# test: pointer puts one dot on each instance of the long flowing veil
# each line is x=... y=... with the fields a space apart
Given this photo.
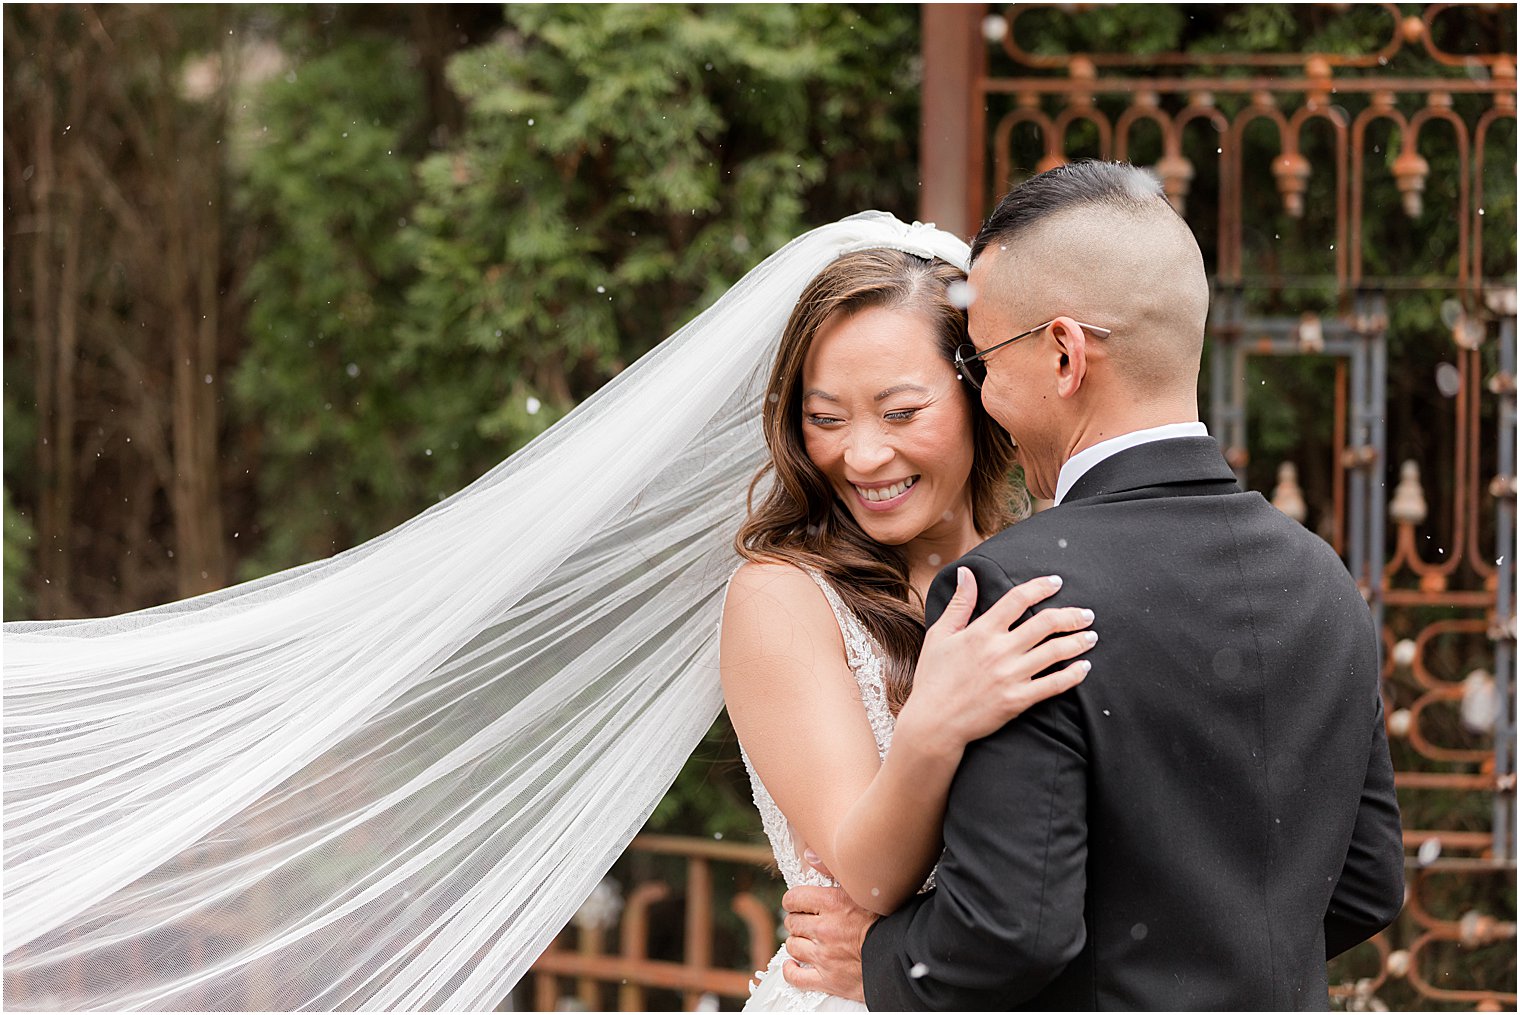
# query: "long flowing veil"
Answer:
x=386 y=779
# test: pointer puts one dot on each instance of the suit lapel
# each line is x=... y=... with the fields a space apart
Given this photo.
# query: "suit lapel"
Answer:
x=1193 y=462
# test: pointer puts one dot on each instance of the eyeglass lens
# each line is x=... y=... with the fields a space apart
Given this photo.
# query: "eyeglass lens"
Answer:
x=974 y=370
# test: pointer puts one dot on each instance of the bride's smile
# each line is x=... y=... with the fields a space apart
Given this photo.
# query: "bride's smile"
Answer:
x=884 y=496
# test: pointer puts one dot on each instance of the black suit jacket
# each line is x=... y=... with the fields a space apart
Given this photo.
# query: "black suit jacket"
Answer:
x=1210 y=814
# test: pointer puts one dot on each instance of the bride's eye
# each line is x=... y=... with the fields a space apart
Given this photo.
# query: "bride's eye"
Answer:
x=901 y=415
x=821 y=420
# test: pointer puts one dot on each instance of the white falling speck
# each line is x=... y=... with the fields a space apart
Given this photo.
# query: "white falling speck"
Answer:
x=934 y=559
x=353 y=369
x=1448 y=380
x=1430 y=849
x=919 y=971
x=601 y=289
x=1061 y=543
x=961 y=294
x=1480 y=702
x=533 y=406
x=1107 y=712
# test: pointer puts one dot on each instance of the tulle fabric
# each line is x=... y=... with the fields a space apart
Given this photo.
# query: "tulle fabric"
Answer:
x=386 y=779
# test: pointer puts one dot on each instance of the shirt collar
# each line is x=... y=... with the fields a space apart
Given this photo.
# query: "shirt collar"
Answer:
x=1077 y=465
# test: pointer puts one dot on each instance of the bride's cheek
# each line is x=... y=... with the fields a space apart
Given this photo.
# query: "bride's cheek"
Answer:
x=821 y=449
x=942 y=441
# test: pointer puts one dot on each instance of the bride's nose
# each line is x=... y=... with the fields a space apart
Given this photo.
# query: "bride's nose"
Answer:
x=867 y=450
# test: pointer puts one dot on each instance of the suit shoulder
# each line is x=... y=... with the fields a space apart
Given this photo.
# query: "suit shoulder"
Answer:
x=1030 y=542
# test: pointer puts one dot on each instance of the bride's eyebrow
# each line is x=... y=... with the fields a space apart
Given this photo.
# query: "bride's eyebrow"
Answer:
x=898 y=388
x=889 y=392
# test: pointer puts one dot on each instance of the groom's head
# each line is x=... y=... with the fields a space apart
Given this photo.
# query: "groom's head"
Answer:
x=1088 y=243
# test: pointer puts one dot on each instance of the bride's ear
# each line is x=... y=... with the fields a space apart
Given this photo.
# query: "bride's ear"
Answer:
x=1071 y=345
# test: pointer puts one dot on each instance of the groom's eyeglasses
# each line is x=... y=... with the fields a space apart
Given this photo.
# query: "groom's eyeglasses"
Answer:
x=969 y=362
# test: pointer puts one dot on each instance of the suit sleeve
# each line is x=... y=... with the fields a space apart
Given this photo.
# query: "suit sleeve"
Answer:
x=1370 y=891
x=1006 y=915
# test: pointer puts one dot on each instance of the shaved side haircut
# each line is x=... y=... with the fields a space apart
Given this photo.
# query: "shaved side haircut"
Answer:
x=1084 y=183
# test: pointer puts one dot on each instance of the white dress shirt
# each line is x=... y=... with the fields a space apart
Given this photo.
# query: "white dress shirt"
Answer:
x=1077 y=465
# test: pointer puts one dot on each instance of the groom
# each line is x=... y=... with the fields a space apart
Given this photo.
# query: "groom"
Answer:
x=1211 y=814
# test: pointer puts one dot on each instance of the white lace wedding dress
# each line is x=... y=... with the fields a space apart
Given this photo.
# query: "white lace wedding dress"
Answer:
x=773 y=992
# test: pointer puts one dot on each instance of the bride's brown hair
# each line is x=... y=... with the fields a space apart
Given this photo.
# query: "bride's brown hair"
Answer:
x=800 y=520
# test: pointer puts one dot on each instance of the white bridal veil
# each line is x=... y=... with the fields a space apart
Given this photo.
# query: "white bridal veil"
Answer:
x=386 y=779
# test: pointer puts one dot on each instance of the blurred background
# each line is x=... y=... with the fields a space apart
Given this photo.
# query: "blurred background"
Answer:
x=279 y=277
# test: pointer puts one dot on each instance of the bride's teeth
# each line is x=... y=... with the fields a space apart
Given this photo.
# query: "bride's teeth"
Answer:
x=887 y=493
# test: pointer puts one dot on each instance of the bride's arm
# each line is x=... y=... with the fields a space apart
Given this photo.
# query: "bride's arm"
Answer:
x=796 y=707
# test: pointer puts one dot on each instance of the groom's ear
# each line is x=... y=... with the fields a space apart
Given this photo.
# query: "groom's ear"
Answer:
x=1071 y=343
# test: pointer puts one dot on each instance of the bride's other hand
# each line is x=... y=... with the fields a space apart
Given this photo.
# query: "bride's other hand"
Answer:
x=973 y=676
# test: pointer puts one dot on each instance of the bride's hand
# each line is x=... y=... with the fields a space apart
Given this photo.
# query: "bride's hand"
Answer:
x=973 y=678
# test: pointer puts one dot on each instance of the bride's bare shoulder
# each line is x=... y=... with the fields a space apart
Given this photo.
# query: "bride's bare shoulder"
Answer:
x=779 y=607
x=762 y=587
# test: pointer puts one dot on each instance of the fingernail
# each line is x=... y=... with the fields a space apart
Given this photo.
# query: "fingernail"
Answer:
x=1087 y=615
x=1054 y=580
x=1083 y=666
x=962 y=575
x=809 y=856
x=1090 y=636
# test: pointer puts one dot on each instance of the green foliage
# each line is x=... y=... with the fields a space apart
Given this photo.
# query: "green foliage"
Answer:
x=1128 y=28
x=619 y=168
x=20 y=435
x=327 y=182
x=18 y=558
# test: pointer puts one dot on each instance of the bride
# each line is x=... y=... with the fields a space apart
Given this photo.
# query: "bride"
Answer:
x=885 y=468
x=386 y=779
